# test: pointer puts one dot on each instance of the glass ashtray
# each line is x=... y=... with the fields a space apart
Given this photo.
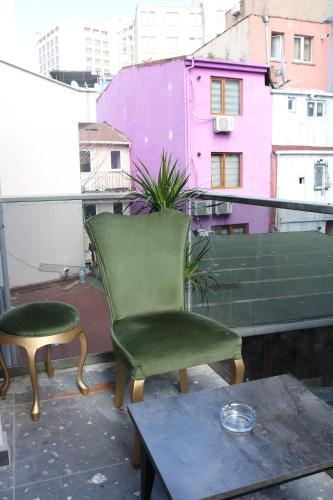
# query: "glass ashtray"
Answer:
x=238 y=417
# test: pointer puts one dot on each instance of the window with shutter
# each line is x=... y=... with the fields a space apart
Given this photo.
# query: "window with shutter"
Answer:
x=85 y=164
x=226 y=170
x=226 y=96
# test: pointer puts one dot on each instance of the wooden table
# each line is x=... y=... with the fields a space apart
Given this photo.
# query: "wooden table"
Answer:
x=183 y=441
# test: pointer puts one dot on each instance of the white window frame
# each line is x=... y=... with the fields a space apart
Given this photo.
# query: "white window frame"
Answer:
x=120 y=162
x=172 y=18
x=302 y=38
x=147 y=17
x=280 y=37
x=315 y=112
x=172 y=49
x=325 y=179
x=291 y=99
x=85 y=150
x=148 y=44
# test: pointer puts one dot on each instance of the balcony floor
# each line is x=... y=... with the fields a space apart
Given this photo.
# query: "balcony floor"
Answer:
x=81 y=447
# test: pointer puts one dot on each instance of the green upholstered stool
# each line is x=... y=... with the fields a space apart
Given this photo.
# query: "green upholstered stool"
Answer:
x=142 y=262
x=41 y=324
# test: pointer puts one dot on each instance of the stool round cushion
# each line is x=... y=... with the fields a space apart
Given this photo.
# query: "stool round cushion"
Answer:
x=39 y=319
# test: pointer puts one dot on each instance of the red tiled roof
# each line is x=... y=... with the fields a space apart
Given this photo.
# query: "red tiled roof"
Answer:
x=100 y=132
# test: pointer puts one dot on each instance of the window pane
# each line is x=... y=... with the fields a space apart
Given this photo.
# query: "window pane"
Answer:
x=291 y=103
x=118 y=208
x=216 y=170
x=216 y=96
x=115 y=160
x=232 y=97
x=297 y=48
x=307 y=49
x=318 y=176
x=311 y=107
x=276 y=47
x=232 y=174
x=85 y=161
x=238 y=230
x=320 y=109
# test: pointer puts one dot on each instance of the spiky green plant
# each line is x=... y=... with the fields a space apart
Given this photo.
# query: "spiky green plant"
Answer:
x=199 y=280
x=166 y=191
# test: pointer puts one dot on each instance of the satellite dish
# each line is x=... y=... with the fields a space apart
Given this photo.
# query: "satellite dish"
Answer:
x=74 y=84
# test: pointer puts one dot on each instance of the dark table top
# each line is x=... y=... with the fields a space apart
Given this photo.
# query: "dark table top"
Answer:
x=196 y=458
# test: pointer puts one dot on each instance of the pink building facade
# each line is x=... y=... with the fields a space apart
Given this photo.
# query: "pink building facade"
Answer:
x=297 y=51
x=174 y=105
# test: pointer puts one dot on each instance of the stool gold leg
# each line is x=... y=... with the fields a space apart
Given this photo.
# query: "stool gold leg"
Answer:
x=120 y=385
x=238 y=374
x=5 y=385
x=84 y=347
x=35 y=410
x=48 y=364
x=183 y=384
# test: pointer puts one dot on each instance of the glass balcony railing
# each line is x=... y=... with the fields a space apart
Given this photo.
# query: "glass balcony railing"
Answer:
x=266 y=272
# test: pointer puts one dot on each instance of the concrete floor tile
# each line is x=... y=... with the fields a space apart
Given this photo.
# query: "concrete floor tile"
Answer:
x=73 y=435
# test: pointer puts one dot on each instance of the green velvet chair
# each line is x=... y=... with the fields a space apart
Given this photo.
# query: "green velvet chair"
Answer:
x=142 y=260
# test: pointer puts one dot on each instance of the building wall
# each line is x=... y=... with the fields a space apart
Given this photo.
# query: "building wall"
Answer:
x=313 y=75
x=147 y=103
x=39 y=155
x=250 y=40
x=102 y=177
x=232 y=45
x=291 y=167
x=158 y=37
x=255 y=147
x=295 y=127
x=296 y=9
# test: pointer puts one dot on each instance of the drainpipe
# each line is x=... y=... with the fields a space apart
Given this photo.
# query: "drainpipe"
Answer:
x=266 y=21
x=187 y=157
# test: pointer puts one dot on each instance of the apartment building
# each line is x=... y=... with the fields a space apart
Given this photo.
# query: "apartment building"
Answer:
x=297 y=51
x=167 y=31
x=77 y=45
x=302 y=159
x=200 y=111
x=306 y=10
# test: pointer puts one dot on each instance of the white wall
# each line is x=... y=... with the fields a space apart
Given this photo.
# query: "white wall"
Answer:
x=39 y=155
x=290 y=168
x=233 y=45
x=295 y=127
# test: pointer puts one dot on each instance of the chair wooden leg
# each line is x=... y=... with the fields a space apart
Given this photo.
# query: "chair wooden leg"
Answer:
x=84 y=389
x=35 y=410
x=120 y=385
x=136 y=397
x=183 y=384
x=6 y=380
x=48 y=363
x=238 y=371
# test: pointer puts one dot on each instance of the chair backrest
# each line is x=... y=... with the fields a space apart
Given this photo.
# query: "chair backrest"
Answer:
x=141 y=259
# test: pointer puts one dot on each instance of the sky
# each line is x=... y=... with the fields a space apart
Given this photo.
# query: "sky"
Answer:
x=33 y=16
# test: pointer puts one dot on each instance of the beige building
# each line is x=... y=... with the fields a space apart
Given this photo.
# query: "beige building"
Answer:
x=104 y=162
x=307 y=10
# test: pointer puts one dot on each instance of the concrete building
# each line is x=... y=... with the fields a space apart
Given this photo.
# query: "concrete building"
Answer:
x=168 y=31
x=39 y=155
x=302 y=162
x=306 y=10
x=104 y=162
x=184 y=111
x=297 y=51
x=78 y=45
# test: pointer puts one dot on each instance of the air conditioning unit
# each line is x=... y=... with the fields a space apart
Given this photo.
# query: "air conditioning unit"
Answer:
x=222 y=208
x=236 y=9
x=223 y=124
x=202 y=207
